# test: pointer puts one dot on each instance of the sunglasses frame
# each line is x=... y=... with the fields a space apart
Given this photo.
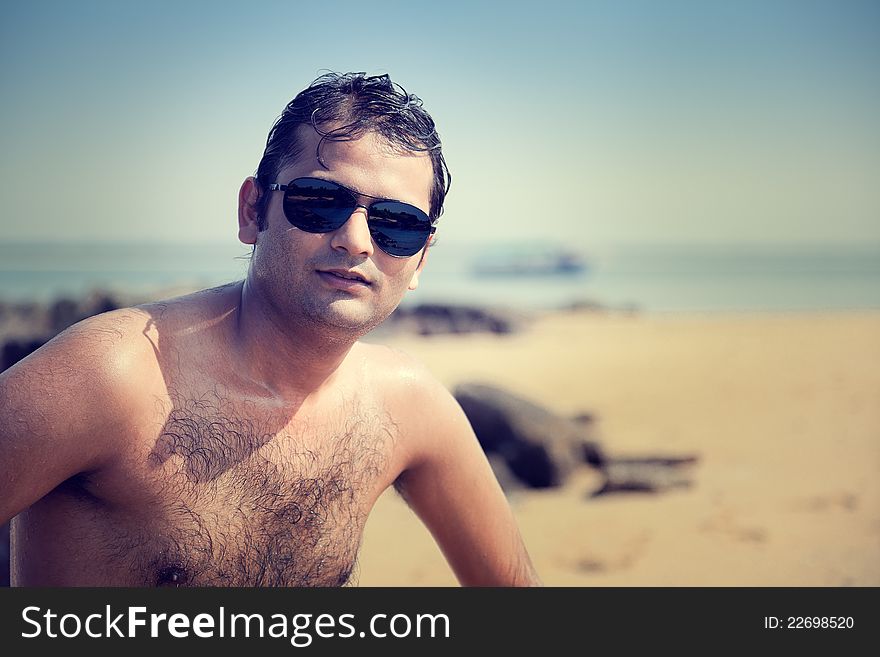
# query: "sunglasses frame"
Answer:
x=355 y=205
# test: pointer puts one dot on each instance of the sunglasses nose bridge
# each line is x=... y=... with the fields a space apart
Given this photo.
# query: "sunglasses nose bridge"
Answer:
x=354 y=235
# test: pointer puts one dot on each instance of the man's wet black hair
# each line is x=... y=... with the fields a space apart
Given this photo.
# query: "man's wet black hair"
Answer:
x=360 y=104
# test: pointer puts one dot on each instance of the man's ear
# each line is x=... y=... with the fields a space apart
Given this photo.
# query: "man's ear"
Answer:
x=248 y=198
x=414 y=281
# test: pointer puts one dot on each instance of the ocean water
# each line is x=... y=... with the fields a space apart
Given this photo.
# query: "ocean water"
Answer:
x=668 y=278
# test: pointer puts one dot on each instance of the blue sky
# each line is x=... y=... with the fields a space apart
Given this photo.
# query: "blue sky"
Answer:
x=584 y=122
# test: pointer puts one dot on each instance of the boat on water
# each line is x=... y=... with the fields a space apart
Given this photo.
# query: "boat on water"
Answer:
x=545 y=263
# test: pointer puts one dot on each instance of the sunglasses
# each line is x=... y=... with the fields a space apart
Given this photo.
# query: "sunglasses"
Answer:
x=316 y=205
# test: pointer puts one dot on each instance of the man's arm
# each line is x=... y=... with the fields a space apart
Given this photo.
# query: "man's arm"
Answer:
x=59 y=412
x=451 y=487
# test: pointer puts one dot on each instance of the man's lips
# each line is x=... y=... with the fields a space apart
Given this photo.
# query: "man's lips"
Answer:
x=345 y=275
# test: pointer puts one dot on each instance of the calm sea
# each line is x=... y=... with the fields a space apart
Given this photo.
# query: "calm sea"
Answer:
x=653 y=278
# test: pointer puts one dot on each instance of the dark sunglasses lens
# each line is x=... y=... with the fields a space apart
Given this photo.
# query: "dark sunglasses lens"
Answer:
x=317 y=206
x=398 y=228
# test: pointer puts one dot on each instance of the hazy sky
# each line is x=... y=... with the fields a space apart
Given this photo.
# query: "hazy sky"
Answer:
x=582 y=122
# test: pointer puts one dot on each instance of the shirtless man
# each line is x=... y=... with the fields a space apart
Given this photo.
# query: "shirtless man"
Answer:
x=240 y=436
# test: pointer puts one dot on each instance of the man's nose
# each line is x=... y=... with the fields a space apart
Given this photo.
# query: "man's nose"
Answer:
x=354 y=235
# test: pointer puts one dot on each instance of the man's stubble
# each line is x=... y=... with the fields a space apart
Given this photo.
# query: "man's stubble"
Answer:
x=295 y=294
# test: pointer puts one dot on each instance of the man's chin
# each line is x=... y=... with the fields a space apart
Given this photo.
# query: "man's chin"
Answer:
x=349 y=315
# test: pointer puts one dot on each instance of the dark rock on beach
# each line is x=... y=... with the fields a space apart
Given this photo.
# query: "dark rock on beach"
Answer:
x=591 y=452
x=440 y=319
x=540 y=447
x=646 y=475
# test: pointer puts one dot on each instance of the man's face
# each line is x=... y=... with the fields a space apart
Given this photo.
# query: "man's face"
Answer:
x=290 y=266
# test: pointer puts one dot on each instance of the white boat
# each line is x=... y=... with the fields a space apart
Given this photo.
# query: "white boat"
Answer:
x=549 y=263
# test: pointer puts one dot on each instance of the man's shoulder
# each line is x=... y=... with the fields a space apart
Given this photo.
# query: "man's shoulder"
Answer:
x=96 y=360
x=392 y=365
x=71 y=401
x=128 y=340
x=116 y=339
x=403 y=380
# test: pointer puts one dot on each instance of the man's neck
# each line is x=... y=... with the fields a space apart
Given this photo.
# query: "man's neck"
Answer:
x=293 y=360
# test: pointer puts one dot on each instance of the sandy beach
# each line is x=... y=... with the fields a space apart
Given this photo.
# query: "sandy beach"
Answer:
x=782 y=411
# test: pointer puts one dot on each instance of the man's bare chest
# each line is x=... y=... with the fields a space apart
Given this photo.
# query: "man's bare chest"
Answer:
x=235 y=497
